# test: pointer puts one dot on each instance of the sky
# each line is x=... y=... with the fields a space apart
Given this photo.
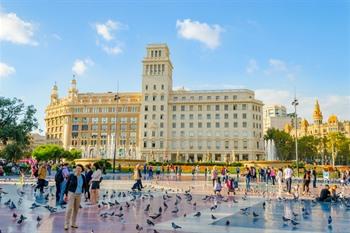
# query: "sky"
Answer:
x=276 y=48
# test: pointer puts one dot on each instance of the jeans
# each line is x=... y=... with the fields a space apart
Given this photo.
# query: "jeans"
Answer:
x=41 y=184
x=58 y=191
x=63 y=187
x=273 y=180
x=289 y=184
x=314 y=183
x=247 y=183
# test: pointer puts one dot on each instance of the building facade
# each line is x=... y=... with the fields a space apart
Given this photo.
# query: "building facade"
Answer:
x=319 y=128
x=275 y=116
x=159 y=123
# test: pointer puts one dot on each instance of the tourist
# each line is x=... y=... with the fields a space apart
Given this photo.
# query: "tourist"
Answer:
x=76 y=185
x=2 y=172
x=248 y=176
x=88 y=176
x=145 y=170
x=288 y=173
x=279 y=182
x=230 y=186
x=214 y=175
x=205 y=173
x=41 y=178
x=58 y=181
x=253 y=172
x=95 y=183
x=150 y=172
x=193 y=171
x=325 y=194
x=314 y=177
x=237 y=172
x=268 y=175
x=137 y=178
x=197 y=170
x=325 y=176
x=273 y=175
x=158 y=172
x=120 y=167
x=49 y=169
x=217 y=186
x=180 y=170
x=65 y=174
x=306 y=181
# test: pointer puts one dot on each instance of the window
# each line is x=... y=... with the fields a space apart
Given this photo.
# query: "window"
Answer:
x=234 y=97
x=85 y=127
x=226 y=124
x=161 y=144
x=226 y=107
x=235 y=124
x=217 y=124
x=208 y=125
x=244 y=107
x=161 y=133
x=191 y=107
x=154 y=108
x=235 y=116
x=208 y=97
x=200 y=117
x=162 y=97
x=217 y=116
x=217 y=144
x=154 y=87
x=208 y=108
x=174 y=116
x=104 y=120
x=174 y=125
x=161 y=107
x=94 y=127
x=226 y=97
x=146 y=108
x=245 y=144
x=191 y=116
x=182 y=117
x=162 y=86
x=244 y=124
x=161 y=125
x=182 y=133
x=235 y=107
x=104 y=127
x=200 y=124
x=182 y=108
x=199 y=107
x=235 y=144
x=217 y=107
x=154 y=98
x=208 y=116
x=226 y=116
x=217 y=97
x=146 y=97
x=191 y=124
x=85 y=120
x=144 y=144
x=174 y=108
x=145 y=125
x=75 y=127
x=200 y=97
x=182 y=125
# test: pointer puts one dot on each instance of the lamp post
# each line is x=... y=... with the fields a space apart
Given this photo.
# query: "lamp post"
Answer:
x=295 y=103
x=116 y=98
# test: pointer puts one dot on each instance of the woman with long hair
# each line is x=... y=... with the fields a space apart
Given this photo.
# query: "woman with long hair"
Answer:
x=95 y=184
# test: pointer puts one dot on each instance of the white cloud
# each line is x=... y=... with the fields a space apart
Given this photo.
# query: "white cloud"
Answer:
x=252 y=66
x=209 y=35
x=330 y=104
x=107 y=31
x=6 y=70
x=112 y=50
x=80 y=66
x=15 y=30
x=277 y=67
x=56 y=36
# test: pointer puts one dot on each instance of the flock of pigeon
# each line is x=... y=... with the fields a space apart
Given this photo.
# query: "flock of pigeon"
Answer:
x=113 y=205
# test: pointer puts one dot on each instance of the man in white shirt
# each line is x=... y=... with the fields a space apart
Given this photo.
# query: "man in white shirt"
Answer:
x=288 y=173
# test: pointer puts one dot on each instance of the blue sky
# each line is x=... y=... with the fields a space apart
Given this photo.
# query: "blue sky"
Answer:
x=267 y=46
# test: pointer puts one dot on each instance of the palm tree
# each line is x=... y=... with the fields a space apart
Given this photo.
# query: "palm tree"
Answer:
x=335 y=140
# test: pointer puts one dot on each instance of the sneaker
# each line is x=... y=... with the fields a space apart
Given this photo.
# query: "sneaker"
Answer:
x=74 y=226
x=65 y=227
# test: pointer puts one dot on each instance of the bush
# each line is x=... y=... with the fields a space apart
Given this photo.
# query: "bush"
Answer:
x=104 y=163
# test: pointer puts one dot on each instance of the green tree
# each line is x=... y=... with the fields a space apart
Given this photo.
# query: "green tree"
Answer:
x=334 y=144
x=16 y=123
x=307 y=148
x=284 y=143
x=73 y=154
x=48 y=152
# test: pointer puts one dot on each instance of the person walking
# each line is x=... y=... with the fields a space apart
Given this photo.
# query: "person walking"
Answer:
x=248 y=176
x=95 y=183
x=58 y=181
x=279 y=182
x=65 y=174
x=288 y=173
x=76 y=185
x=214 y=175
x=273 y=175
x=238 y=170
x=41 y=178
x=306 y=181
x=137 y=178
x=88 y=176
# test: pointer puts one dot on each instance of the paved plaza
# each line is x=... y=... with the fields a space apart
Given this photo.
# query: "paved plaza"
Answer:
x=181 y=202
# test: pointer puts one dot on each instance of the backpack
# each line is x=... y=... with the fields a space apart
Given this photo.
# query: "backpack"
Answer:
x=59 y=176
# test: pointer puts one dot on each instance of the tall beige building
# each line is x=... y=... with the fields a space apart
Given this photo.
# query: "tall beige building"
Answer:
x=275 y=116
x=159 y=123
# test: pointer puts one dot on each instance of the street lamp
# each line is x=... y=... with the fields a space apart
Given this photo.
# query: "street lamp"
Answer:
x=116 y=98
x=295 y=103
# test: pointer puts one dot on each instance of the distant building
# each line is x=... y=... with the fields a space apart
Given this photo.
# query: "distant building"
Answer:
x=37 y=140
x=320 y=128
x=275 y=116
x=159 y=123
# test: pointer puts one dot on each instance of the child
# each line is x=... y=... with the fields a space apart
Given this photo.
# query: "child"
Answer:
x=217 y=186
x=230 y=186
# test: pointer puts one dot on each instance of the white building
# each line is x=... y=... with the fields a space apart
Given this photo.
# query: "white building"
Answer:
x=275 y=116
x=217 y=125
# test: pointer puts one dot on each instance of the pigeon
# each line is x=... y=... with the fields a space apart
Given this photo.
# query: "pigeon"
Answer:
x=14 y=215
x=330 y=220
x=138 y=227
x=38 y=219
x=213 y=217
x=255 y=214
x=21 y=219
x=295 y=214
x=119 y=215
x=174 y=226
x=198 y=214
x=155 y=216
x=285 y=219
x=294 y=222
x=149 y=222
x=121 y=208
x=175 y=210
x=264 y=205
x=154 y=231
x=165 y=205
x=213 y=207
x=227 y=223
x=160 y=210
x=147 y=208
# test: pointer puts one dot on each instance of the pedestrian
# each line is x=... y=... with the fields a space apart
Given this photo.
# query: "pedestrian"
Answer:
x=65 y=174
x=273 y=175
x=214 y=175
x=88 y=176
x=193 y=170
x=58 y=181
x=217 y=186
x=230 y=186
x=96 y=179
x=279 y=182
x=314 y=177
x=247 y=179
x=137 y=178
x=41 y=178
x=76 y=185
x=237 y=172
x=288 y=173
x=306 y=181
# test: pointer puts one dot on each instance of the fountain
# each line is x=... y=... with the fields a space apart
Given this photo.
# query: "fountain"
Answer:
x=270 y=150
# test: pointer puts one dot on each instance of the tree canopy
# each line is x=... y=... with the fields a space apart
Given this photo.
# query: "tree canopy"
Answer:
x=55 y=152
